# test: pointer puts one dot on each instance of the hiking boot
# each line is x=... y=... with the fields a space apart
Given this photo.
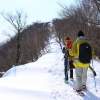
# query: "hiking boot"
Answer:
x=79 y=92
x=66 y=81
x=71 y=79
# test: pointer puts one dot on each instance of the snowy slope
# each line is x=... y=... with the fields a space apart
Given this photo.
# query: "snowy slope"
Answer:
x=44 y=80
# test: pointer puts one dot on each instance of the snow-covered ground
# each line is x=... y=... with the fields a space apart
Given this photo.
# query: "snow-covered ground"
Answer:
x=44 y=80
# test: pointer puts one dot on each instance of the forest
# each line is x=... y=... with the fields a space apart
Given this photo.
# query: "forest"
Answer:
x=30 y=40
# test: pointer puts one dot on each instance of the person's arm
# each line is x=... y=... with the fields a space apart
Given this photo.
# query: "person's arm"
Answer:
x=63 y=50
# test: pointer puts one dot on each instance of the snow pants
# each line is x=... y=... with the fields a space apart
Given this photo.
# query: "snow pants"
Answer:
x=81 y=77
x=67 y=67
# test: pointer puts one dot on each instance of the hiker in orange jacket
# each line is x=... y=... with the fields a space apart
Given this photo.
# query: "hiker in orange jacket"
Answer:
x=68 y=63
x=68 y=42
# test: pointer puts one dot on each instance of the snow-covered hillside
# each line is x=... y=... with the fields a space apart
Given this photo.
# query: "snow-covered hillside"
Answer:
x=44 y=80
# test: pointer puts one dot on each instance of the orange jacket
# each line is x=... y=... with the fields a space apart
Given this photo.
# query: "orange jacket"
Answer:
x=68 y=44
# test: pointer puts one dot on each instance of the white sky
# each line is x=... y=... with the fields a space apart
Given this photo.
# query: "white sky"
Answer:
x=36 y=10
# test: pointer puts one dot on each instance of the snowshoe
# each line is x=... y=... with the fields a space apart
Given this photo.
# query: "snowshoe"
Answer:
x=66 y=81
x=81 y=93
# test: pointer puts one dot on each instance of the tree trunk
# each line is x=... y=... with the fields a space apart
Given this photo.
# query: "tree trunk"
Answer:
x=18 y=52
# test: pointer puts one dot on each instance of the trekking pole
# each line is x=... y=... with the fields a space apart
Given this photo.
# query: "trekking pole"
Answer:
x=95 y=84
x=94 y=78
x=94 y=73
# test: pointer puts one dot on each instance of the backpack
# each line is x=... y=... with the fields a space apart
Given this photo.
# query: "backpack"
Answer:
x=85 y=52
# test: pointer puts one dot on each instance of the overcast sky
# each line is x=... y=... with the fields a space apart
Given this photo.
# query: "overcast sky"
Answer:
x=36 y=10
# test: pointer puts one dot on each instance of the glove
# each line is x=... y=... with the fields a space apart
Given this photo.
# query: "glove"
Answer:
x=63 y=50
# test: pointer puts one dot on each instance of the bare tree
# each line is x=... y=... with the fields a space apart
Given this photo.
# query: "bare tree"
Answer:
x=97 y=2
x=18 y=21
x=85 y=16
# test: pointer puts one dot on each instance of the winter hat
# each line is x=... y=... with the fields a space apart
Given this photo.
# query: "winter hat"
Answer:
x=80 y=33
x=67 y=38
